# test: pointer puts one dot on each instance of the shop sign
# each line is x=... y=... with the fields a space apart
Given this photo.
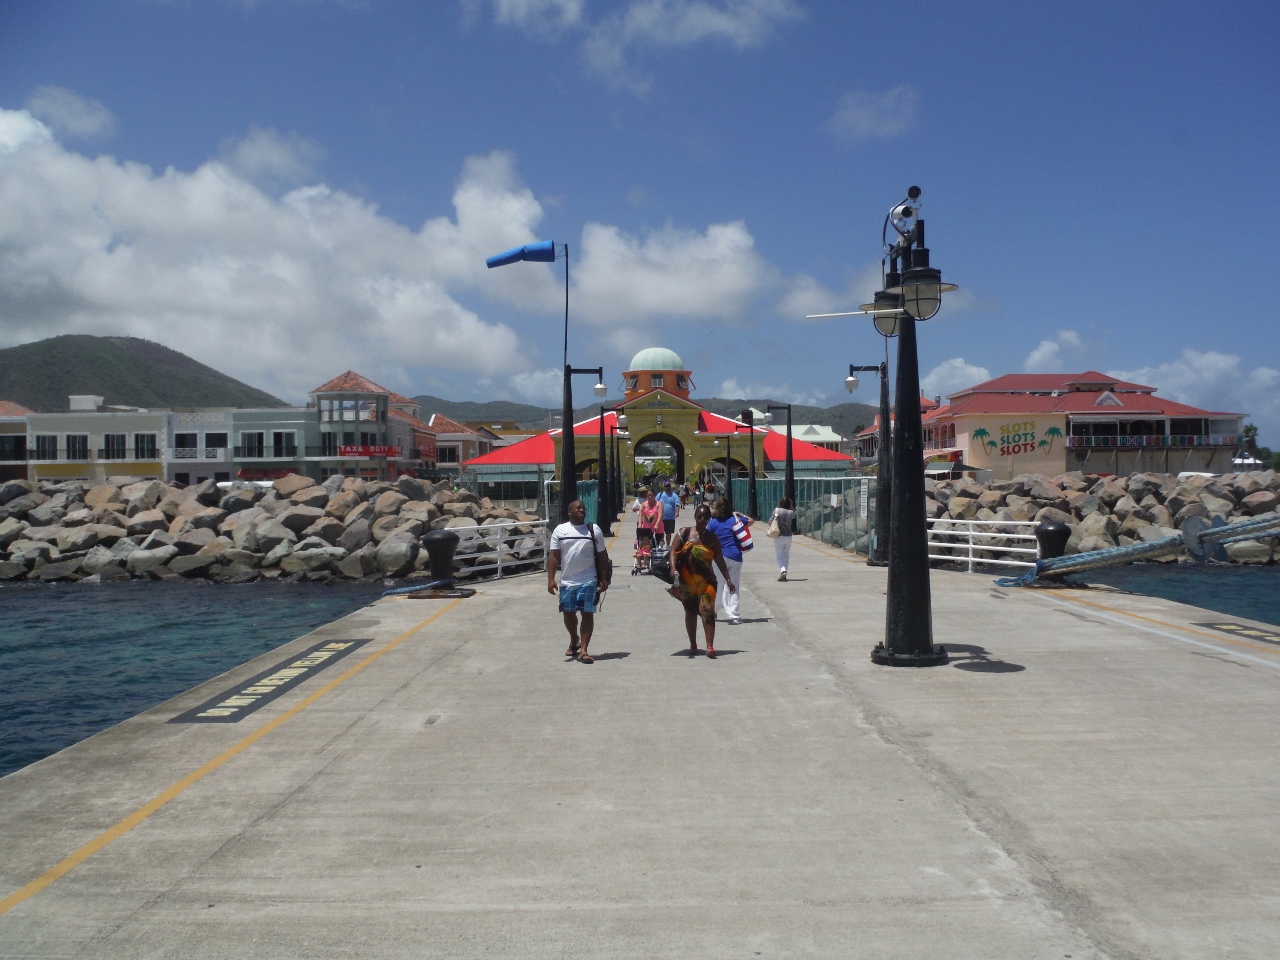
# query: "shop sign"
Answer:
x=1017 y=437
x=373 y=452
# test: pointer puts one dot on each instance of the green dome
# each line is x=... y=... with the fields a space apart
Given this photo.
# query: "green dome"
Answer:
x=656 y=358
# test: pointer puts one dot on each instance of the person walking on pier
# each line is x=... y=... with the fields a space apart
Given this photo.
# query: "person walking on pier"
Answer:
x=696 y=559
x=722 y=525
x=670 y=501
x=579 y=554
x=784 y=522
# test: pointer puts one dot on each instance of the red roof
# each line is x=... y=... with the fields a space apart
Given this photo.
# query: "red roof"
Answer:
x=411 y=420
x=775 y=448
x=350 y=382
x=10 y=409
x=1077 y=403
x=1049 y=382
x=540 y=449
x=401 y=399
x=442 y=424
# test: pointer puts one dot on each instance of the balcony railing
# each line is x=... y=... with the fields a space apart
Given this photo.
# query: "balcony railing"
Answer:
x=266 y=453
x=1157 y=440
x=199 y=453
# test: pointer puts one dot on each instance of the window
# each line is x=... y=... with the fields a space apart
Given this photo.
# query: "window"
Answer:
x=655 y=380
x=283 y=444
x=446 y=454
x=682 y=382
x=113 y=446
x=222 y=477
x=47 y=446
x=77 y=446
x=633 y=383
x=144 y=446
x=185 y=440
x=13 y=448
x=368 y=439
x=182 y=478
x=216 y=440
x=328 y=445
x=252 y=444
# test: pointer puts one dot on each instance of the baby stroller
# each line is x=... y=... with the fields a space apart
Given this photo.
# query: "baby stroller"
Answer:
x=643 y=548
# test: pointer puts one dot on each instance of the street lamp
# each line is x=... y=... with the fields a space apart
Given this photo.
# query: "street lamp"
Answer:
x=544 y=251
x=753 y=501
x=604 y=495
x=908 y=639
x=789 y=484
x=728 y=461
x=877 y=556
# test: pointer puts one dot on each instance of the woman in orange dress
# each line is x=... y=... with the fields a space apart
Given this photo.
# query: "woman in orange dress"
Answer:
x=693 y=554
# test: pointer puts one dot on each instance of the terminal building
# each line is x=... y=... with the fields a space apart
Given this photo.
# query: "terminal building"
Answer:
x=662 y=420
x=1052 y=423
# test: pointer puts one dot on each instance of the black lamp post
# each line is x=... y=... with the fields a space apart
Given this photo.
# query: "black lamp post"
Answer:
x=878 y=555
x=789 y=484
x=908 y=637
x=728 y=461
x=753 y=501
x=604 y=497
x=619 y=495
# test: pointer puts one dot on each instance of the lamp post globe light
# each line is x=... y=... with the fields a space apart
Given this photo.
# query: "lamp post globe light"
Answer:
x=544 y=251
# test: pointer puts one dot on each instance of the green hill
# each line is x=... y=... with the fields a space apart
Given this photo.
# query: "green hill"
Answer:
x=124 y=370
x=845 y=418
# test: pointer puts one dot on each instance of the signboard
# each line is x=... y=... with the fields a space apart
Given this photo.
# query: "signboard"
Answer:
x=373 y=452
x=866 y=499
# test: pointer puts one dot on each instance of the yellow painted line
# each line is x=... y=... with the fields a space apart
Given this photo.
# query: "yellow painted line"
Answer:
x=151 y=806
x=827 y=553
x=1202 y=633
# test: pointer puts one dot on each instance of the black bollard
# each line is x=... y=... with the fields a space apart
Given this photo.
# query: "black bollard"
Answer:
x=440 y=546
x=1052 y=535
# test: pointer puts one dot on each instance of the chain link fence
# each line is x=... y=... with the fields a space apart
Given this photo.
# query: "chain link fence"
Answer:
x=837 y=510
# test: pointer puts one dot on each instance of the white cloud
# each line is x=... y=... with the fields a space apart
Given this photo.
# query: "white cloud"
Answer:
x=951 y=376
x=1048 y=357
x=625 y=280
x=805 y=295
x=868 y=115
x=71 y=114
x=545 y=387
x=1219 y=382
x=732 y=390
x=282 y=293
x=269 y=159
x=609 y=45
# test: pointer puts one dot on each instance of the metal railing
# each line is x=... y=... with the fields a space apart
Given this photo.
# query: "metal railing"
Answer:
x=198 y=453
x=1161 y=440
x=836 y=510
x=266 y=453
x=982 y=542
x=499 y=554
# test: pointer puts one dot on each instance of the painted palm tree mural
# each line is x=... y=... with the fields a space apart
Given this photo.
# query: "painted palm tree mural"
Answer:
x=982 y=435
x=1052 y=433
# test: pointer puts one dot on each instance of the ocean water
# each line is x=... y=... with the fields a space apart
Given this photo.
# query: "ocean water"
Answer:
x=1250 y=592
x=78 y=658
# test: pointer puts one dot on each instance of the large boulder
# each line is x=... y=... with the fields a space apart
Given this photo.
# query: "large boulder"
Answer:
x=29 y=551
x=142 y=562
x=195 y=565
x=356 y=536
x=156 y=538
x=193 y=541
x=61 y=570
x=961 y=508
x=1250 y=551
x=990 y=499
x=216 y=547
x=363 y=512
x=342 y=503
x=78 y=518
x=271 y=533
x=98 y=559
x=1261 y=501
x=1109 y=492
x=143 y=496
x=1160 y=515
x=327 y=529
x=209 y=518
x=241 y=499
x=47 y=514
x=333 y=485
x=1100 y=525
x=396 y=559
x=11 y=490
x=309 y=561
x=383 y=527
x=462 y=509
x=1193 y=509
x=389 y=503
x=312 y=496
x=357 y=566
x=145 y=521
x=1217 y=506
x=356 y=486
x=298 y=519
x=252 y=515
x=421 y=510
x=21 y=506
x=245 y=536
x=205 y=493
x=1045 y=514
x=11 y=530
x=412 y=488
x=1142 y=485
x=277 y=554
x=247 y=558
x=104 y=495
x=179 y=525
x=77 y=539
x=273 y=505
x=291 y=483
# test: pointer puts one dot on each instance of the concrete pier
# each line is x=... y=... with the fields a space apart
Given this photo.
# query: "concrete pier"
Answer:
x=1093 y=774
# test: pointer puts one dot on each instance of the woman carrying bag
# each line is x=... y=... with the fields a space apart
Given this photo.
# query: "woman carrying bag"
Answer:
x=782 y=526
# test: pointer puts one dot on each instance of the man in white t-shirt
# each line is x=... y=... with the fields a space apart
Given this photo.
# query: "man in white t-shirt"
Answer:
x=578 y=552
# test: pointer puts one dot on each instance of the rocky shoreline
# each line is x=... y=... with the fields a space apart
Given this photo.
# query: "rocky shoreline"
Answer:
x=1105 y=512
x=342 y=529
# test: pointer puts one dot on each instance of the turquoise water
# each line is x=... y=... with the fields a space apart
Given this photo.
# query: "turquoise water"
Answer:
x=1250 y=592
x=78 y=658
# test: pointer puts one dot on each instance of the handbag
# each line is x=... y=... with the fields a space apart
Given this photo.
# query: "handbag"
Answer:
x=774 y=530
x=743 y=534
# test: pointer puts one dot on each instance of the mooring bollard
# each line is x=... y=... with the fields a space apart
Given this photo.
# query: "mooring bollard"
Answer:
x=1052 y=535
x=440 y=546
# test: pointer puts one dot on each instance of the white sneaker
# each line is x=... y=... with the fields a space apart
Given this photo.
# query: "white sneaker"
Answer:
x=736 y=620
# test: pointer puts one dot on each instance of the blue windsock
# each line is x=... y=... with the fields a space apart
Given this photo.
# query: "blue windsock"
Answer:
x=544 y=251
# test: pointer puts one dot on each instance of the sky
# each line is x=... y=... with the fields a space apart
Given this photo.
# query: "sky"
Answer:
x=285 y=189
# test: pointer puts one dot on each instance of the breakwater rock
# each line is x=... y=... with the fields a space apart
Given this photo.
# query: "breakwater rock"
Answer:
x=344 y=528
x=1106 y=511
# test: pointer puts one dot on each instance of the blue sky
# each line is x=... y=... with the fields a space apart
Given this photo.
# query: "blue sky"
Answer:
x=284 y=189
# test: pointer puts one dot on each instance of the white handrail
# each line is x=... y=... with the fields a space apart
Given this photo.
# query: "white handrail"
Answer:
x=971 y=530
x=482 y=561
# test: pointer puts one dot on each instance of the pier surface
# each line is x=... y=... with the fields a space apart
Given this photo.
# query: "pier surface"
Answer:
x=1092 y=775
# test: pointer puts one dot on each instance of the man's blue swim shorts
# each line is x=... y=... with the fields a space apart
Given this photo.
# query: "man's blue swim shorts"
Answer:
x=579 y=599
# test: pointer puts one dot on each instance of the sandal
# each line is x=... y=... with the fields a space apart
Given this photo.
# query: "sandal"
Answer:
x=585 y=658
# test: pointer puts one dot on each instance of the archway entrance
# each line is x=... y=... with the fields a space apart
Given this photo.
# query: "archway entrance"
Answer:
x=660 y=447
